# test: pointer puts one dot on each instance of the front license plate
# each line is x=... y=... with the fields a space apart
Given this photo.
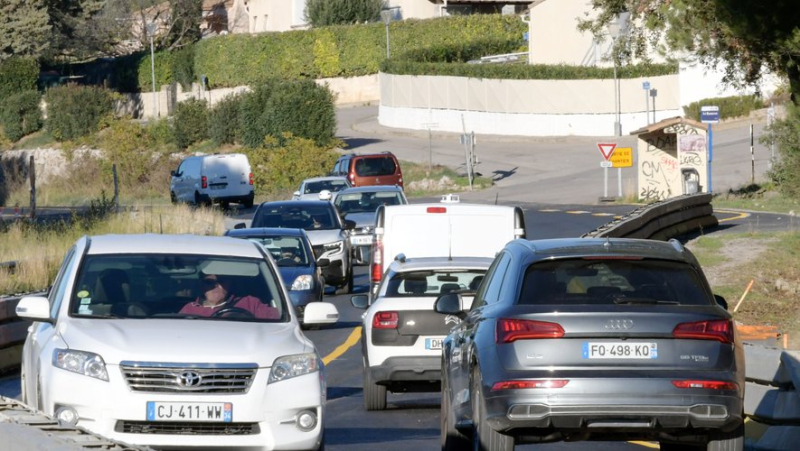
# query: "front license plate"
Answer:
x=361 y=240
x=221 y=412
x=594 y=350
x=433 y=343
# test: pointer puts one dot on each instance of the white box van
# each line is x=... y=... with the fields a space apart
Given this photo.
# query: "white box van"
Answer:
x=218 y=178
x=446 y=229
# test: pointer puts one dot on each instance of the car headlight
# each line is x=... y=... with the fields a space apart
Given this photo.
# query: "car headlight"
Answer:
x=335 y=247
x=81 y=362
x=303 y=282
x=290 y=366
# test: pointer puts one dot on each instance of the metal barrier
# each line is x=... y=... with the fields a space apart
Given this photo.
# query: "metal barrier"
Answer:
x=662 y=220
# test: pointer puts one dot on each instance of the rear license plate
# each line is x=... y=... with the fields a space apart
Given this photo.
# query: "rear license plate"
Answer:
x=433 y=343
x=594 y=350
x=220 y=186
x=361 y=240
x=221 y=412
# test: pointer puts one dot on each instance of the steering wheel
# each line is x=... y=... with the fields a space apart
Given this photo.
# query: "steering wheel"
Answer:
x=235 y=311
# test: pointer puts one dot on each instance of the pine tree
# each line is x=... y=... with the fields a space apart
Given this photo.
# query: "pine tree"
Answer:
x=24 y=28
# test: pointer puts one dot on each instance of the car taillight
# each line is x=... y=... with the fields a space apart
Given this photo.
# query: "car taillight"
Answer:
x=509 y=330
x=710 y=385
x=377 y=260
x=519 y=385
x=352 y=177
x=204 y=181
x=720 y=330
x=250 y=179
x=385 y=320
x=437 y=210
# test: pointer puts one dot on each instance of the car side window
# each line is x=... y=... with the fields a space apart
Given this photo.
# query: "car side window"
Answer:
x=489 y=291
x=59 y=287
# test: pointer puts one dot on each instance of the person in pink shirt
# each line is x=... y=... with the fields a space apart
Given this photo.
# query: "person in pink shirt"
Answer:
x=217 y=300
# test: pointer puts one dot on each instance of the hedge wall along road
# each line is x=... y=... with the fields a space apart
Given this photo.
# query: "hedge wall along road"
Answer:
x=340 y=51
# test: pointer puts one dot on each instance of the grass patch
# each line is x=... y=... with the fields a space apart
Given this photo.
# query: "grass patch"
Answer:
x=38 y=139
x=421 y=182
x=707 y=249
x=756 y=197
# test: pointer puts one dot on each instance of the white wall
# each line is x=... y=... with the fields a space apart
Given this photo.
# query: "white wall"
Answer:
x=416 y=9
x=553 y=35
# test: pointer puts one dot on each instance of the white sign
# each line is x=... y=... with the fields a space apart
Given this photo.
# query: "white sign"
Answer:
x=606 y=164
x=606 y=149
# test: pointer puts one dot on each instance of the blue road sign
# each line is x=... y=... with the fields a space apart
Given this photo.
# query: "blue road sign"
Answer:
x=646 y=86
x=709 y=114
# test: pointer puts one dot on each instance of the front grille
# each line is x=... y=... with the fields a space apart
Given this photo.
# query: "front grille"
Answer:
x=318 y=250
x=186 y=428
x=188 y=378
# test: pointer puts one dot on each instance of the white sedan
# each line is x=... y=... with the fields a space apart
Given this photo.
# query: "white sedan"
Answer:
x=175 y=341
x=312 y=189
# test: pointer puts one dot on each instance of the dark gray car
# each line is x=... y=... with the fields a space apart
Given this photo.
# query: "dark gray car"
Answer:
x=592 y=339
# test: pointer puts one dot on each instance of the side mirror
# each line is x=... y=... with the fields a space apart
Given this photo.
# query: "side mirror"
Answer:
x=349 y=225
x=360 y=301
x=36 y=308
x=240 y=225
x=449 y=304
x=296 y=194
x=320 y=313
x=721 y=301
x=323 y=262
x=173 y=173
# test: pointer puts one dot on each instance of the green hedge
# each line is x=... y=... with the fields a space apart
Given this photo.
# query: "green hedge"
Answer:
x=21 y=114
x=74 y=111
x=223 y=120
x=18 y=75
x=191 y=122
x=729 y=107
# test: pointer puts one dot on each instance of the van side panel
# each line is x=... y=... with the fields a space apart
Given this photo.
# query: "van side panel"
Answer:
x=480 y=235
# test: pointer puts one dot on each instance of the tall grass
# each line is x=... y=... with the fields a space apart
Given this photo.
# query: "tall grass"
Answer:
x=39 y=250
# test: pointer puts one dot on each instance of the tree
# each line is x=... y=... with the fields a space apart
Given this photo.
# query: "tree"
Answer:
x=745 y=37
x=178 y=22
x=24 y=28
x=321 y=13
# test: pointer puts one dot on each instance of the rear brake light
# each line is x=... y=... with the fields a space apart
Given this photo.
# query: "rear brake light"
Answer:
x=377 y=260
x=720 y=330
x=385 y=320
x=437 y=209
x=352 y=177
x=509 y=330
x=710 y=385
x=519 y=385
x=204 y=181
x=251 y=178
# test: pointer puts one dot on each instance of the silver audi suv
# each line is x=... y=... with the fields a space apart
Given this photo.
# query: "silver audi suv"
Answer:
x=592 y=339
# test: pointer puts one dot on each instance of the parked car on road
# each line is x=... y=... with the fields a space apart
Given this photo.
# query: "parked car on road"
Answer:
x=369 y=169
x=218 y=178
x=328 y=233
x=291 y=250
x=175 y=341
x=311 y=188
x=592 y=339
x=359 y=204
x=402 y=335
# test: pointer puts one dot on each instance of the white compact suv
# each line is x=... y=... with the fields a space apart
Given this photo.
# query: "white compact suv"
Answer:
x=218 y=178
x=175 y=341
x=402 y=335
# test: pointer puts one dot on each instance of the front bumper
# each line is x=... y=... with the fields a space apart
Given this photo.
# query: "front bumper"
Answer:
x=263 y=418
x=301 y=298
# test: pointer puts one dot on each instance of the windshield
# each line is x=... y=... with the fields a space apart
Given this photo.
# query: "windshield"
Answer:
x=366 y=202
x=177 y=286
x=286 y=250
x=313 y=217
x=330 y=185
x=610 y=281
x=432 y=283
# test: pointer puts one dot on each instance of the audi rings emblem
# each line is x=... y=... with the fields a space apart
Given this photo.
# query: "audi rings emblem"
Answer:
x=619 y=324
x=189 y=379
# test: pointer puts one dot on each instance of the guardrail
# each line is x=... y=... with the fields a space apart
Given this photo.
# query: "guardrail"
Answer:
x=662 y=220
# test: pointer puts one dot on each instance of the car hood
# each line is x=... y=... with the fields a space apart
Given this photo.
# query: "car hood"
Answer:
x=318 y=237
x=184 y=340
x=362 y=219
x=289 y=273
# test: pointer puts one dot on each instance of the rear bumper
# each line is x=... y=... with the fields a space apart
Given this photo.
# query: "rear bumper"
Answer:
x=407 y=369
x=209 y=197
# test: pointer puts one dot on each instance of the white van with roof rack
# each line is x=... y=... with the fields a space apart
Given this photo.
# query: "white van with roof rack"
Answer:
x=217 y=178
x=445 y=229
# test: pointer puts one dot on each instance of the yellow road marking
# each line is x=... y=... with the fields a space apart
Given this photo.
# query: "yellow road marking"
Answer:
x=349 y=343
x=741 y=215
x=549 y=210
x=577 y=212
x=602 y=214
x=646 y=444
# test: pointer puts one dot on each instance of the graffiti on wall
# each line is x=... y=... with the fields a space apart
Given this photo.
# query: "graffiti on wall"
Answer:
x=691 y=150
x=658 y=167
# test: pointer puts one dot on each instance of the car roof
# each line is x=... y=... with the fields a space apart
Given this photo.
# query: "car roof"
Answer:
x=326 y=178
x=151 y=243
x=425 y=263
x=295 y=204
x=598 y=247
x=265 y=231
x=370 y=189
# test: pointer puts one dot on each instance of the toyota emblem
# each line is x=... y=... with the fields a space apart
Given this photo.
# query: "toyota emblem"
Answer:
x=619 y=324
x=189 y=379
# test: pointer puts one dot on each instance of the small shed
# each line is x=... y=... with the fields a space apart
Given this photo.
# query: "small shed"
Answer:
x=672 y=157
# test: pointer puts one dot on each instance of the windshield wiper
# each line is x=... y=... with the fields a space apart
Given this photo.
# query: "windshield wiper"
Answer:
x=622 y=300
x=103 y=316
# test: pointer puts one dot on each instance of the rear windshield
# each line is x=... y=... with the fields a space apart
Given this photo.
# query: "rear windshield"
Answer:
x=318 y=217
x=375 y=166
x=432 y=283
x=366 y=202
x=330 y=185
x=582 y=281
x=286 y=250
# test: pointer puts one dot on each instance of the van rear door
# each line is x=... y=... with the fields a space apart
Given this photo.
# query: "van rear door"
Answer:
x=227 y=175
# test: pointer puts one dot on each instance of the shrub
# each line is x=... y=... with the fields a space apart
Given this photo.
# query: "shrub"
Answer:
x=183 y=66
x=223 y=120
x=74 y=111
x=161 y=135
x=729 y=107
x=190 y=124
x=18 y=75
x=253 y=120
x=785 y=133
x=304 y=109
x=281 y=164
x=21 y=114
x=321 y=13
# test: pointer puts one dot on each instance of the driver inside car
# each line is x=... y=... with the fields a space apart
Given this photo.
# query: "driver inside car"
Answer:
x=217 y=300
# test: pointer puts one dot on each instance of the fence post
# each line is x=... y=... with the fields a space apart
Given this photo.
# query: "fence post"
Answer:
x=116 y=188
x=32 y=172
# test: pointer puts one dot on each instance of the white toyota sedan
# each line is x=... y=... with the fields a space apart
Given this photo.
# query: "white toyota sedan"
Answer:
x=175 y=341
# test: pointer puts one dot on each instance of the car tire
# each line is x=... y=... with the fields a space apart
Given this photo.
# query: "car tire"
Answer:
x=729 y=441
x=248 y=203
x=350 y=278
x=198 y=201
x=451 y=438
x=484 y=438
x=374 y=394
x=173 y=198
